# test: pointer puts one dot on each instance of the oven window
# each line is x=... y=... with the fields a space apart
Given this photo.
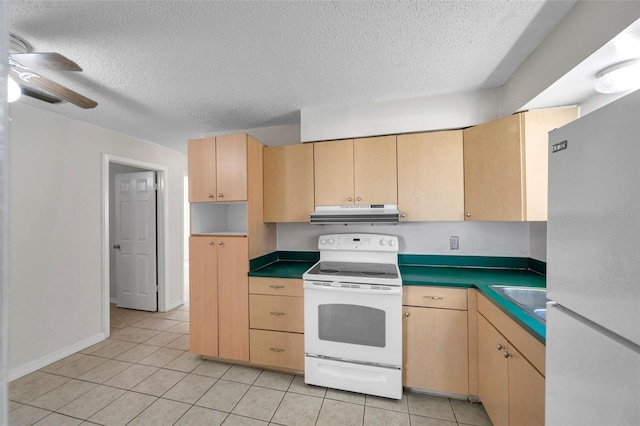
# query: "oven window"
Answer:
x=355 y=324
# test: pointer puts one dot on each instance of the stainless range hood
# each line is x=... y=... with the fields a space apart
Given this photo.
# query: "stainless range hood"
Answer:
x=362 y=214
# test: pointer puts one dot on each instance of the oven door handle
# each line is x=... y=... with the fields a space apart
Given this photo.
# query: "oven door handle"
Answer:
x=393 y=290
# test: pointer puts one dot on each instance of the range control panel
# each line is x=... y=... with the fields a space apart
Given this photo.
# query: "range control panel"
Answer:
x=358 y=242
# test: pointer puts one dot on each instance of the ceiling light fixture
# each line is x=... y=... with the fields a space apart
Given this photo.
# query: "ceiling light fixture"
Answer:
x=619 y=77
x=13 y=90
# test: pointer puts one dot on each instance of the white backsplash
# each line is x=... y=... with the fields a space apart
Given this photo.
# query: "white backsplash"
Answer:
x=476 y=238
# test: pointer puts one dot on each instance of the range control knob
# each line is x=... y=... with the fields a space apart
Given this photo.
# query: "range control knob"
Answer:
x=331 y=241
x=392 y=243
x=323 y=241
x=383 y=242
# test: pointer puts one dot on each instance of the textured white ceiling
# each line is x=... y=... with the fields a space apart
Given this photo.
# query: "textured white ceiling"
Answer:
x=166 y=71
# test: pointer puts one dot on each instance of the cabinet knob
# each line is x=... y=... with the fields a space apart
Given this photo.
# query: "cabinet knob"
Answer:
x=350 y=198
x=210 y=195
x=404 y=215
x=220 y=243
x=210 y=243
x=500 y=347
x=507 y=354
x=359 y=199
x=468 y=214
x=407 y=314
x=220 y=195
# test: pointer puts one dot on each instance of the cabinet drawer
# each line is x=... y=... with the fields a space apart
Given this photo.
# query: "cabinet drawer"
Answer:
x=281 y=313
x=279 y=286
x=435 y=297
x=277 y=349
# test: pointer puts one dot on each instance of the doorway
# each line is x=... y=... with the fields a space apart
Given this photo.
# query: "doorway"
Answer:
x=132 y=236
x=112 y=165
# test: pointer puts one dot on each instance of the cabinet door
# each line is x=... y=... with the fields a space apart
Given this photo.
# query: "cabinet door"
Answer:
x=493 y=373
x=526 y=392
x=431 y=176
x=436 y=350
x=375 y=170
x=201 y=156
x=233 y=298
x=493 y=170
x=333 y=171
x=231 y=167
x=288 y=183
x=203 y=296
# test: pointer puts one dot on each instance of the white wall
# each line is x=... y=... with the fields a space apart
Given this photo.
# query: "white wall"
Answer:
x=56 y=231
x=538 y=240
x=476 y=238
x=271 y=136
x=114 y=169
x=439 y=112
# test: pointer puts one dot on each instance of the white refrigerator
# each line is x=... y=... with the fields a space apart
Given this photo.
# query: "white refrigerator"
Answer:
x=593 y=269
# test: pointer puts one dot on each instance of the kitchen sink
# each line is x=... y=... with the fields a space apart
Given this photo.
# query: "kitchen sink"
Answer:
x=531 y=299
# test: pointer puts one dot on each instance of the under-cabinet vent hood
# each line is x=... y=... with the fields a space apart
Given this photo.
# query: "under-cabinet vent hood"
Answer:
x=364 y=214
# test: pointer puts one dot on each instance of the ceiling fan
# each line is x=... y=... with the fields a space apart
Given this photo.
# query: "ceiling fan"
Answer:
x=22 y=62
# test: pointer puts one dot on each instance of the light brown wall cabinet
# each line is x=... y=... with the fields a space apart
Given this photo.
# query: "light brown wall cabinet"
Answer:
x=510 y=387
x=288 y=183
x=505 y=166
x=431 y=176
x=219 y=262
x=218 y=320
x=358 y=171
x=217 y=168
x=436 y=354
x=277 y=322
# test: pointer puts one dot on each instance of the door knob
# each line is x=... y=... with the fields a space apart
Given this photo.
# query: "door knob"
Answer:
x=116 y=246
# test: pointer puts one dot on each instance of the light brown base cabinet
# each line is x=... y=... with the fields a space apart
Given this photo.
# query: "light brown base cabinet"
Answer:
x=276 y=313
x=219 y=297
x=511 y=388
x=436 y=354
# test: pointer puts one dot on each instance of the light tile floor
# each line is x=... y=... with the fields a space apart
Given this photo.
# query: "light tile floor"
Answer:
x=144 y=375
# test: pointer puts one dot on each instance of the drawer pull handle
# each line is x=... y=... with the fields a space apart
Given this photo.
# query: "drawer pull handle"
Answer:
x=276 y=286
x=276 y=314
x=277 y=350
x=433 y=297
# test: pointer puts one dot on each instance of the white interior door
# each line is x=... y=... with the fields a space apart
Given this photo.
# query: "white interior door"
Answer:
x=135 y=247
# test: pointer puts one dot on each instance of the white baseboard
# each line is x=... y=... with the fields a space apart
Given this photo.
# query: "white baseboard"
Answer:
x=175 y=305
x=30 y=367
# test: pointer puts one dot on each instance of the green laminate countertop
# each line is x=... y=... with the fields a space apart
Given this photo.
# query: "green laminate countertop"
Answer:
x=283 y=269
x=286 y=265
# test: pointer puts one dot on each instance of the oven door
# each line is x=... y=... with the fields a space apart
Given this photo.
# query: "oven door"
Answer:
x=360 y=323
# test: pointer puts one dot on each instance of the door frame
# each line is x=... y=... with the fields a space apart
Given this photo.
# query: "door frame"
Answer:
x=162 y=230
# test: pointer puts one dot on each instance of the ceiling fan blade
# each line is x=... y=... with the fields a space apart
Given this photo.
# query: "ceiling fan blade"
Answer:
x=60 y=91
x=37 y=94
x=45 y=61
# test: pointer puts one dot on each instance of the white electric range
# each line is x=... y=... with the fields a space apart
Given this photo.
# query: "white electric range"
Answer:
x=353 y=315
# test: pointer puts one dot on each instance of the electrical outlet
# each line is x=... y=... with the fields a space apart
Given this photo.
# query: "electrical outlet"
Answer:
x=454 y=242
